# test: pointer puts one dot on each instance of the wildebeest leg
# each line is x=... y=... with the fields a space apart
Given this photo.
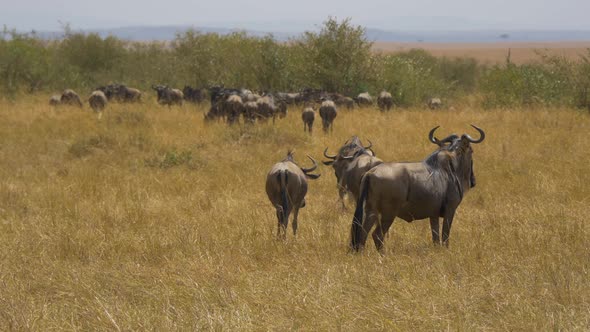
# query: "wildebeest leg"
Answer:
x=294 y=225
x=446 y=229
x=381 y=230
x=370 y=218
x=435 y=229
x=280 y=220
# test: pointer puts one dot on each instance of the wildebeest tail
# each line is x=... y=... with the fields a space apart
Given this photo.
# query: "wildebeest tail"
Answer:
x=283 y=180
x=356 y=231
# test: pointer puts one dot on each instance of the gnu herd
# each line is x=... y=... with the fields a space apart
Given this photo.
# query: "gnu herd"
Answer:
x=432 y=188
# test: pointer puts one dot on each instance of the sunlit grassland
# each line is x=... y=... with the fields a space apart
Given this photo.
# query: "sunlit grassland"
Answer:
x=150 y=219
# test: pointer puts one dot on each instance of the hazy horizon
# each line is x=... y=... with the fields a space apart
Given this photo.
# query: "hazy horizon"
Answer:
x=282 y=16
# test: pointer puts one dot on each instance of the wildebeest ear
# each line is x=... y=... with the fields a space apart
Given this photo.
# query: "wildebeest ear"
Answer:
x=313 y=176
x=328 y=163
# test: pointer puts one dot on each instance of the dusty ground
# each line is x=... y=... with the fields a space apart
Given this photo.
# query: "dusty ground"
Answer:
x=492 y=52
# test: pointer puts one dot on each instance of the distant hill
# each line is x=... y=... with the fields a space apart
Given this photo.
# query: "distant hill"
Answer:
x=164 y=33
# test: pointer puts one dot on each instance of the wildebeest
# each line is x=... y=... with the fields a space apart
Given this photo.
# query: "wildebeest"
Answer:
x=97 y=101
x=364 y=99
x=121 y=93
x=434 y=103
x=266 y=108
x=384 y=101
x=350 y=164
x=193 y=95
x=328 y=113
x=250 y=112
x=70 y=97
x=308 y=116
x=55 y=100
x=431 y=188
x=232 y=108
x=168 y=96
x=286 y=186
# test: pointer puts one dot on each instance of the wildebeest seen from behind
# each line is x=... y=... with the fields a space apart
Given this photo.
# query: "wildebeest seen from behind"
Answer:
x=434 y=103
x=250 y=112
x=168 y=96
x=432 y=188
x=384 y=101
x=70 y=97
x=350 y=164
x=308 y=116
x=286 y=187
x=328 y=113
x=266 y=108
x=97 y=101
x=364 y=99
x=233 y=107
x=55 y=100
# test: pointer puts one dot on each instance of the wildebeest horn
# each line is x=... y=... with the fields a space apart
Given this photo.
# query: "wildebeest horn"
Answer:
x=312 y=168
x=438 y=142
x=328 y=156
x=481 y=137
x=370 y=145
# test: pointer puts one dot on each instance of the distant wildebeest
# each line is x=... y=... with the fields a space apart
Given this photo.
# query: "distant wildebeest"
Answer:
x=97 y=101
x=308 y=116
x=384 y=101
x=328 y=113
x=286 y=186
x=70 y=97
x=364 y=99
x=250 y=112
x=55 y=100
x=266 y=108
x=431 y=188
x=193 y=95
x=350 y=164
x=434 y=103
x=232 y=108
x=168 y=96
x=121 y=93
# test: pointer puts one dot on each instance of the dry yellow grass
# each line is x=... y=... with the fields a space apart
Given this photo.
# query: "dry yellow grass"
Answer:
x=150 y=220
x=491 y=53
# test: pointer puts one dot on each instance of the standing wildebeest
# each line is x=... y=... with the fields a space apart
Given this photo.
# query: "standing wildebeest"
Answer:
x=121 y=93
x=168 y=96
x=350 y=164
x=193 y=95
x=434 y=103
x=328 y=113
x=308 y=116
x=232 y=108
x=250 y=112
x=69 y=97
x=431 y=188
x=364 y=99
x=97 y=101
x=55 y=100
x=286 y=186
x=266 y=108
x=384 y=101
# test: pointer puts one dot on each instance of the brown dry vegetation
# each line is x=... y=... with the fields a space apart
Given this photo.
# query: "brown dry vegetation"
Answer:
x=492 y=53
x=150 y=220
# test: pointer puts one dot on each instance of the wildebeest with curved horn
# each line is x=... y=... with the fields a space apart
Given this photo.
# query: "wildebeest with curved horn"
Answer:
x=384 y=101
x=350 y=164
x=432 y=188
x=328 y=113
x=286 y=186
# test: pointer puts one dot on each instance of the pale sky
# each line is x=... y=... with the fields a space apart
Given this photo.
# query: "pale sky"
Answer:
x=294 y=15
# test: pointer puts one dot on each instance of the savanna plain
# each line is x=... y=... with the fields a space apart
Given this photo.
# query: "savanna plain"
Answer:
x=149 y=219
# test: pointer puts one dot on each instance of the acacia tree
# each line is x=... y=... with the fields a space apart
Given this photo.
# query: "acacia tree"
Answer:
x=338 y=57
